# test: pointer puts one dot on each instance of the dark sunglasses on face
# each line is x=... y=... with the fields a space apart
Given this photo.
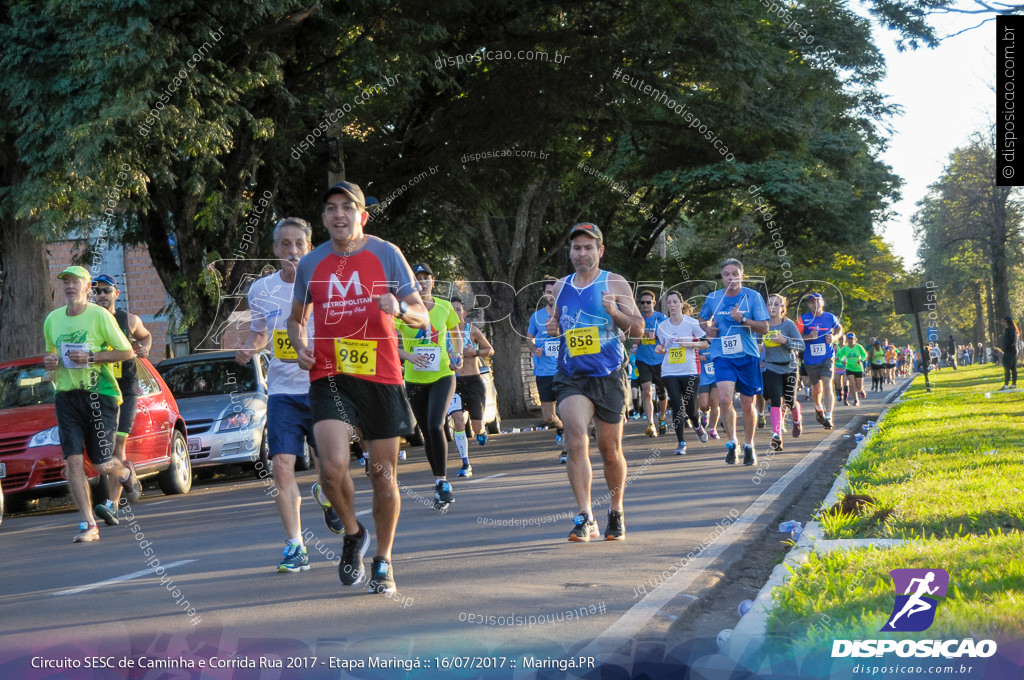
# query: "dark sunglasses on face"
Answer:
x=103 y=291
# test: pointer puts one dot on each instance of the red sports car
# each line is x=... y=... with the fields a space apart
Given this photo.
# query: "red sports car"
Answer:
x=31 y=463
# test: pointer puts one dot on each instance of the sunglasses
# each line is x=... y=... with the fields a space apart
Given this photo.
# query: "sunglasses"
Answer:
x=647 y=302
x=103 y=291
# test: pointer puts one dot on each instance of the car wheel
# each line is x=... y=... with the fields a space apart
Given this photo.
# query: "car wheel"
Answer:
x=177 y=478
x=494 y=427
x=1 y=505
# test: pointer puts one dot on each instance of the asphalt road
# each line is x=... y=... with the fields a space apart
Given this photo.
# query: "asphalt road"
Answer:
x=491 y=583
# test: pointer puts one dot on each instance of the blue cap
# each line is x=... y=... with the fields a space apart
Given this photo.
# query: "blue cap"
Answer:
x=105 y=278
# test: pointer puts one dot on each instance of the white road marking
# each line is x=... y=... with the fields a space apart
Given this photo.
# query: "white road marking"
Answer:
x=118 y=579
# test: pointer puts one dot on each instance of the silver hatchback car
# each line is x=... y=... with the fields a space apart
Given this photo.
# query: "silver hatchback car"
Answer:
x=224 y=405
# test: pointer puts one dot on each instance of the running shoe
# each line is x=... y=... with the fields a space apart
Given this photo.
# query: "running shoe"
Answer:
x=353 y=550
x=827 y=424
x=132 y=486
x=856 y=401
x=87 y=532
x=776 y=442
x=703 y=420
x=382 y=577
x=401 y=455
x=584 y=530
x=730 y=453
x=563 y=458
x=761 y=422
x=558 y=439
x=681 y=449
x=662 y=429
x=466 y=470
x=481 y=438
x=701 y=433
x=616 y=530
x=443 y=493
x=749 y=457
x=107 y=513
x=713 y=433
x=651 y=432
x=331 y=518
x=296 y=559
x=820 y=417
x=863 y=394
x=846 y=400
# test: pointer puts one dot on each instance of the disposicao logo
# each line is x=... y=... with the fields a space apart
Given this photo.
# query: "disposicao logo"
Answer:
x=914 y=610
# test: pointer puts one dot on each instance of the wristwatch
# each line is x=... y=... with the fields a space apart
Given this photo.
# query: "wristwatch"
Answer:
x=92 y=357
x=743 y=320
x=403 y=309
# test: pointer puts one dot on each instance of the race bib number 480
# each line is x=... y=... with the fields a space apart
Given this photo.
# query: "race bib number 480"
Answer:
x=583 y=341
x=551 y=348
x=356 y=357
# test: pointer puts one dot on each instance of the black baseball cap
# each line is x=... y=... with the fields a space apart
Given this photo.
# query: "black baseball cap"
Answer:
x=588 y=229
x=422 y=268
x=349 y=189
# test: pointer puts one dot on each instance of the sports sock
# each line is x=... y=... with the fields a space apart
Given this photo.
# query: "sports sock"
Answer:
x=462 y=445
x=776 y=419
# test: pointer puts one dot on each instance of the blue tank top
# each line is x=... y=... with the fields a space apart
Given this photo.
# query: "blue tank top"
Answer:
x=591 y=344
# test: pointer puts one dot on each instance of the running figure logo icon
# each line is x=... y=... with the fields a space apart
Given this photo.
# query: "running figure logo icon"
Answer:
x=914 y=610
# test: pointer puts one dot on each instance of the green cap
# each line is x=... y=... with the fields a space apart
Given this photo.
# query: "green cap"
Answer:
x=80 y=272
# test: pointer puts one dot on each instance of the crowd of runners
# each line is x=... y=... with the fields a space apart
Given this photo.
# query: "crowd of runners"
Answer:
x=364 y=353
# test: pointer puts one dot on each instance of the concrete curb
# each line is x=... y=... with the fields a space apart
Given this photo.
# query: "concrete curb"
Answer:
x=749 y=634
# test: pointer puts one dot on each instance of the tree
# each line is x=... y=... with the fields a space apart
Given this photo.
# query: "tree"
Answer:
x=966 y=220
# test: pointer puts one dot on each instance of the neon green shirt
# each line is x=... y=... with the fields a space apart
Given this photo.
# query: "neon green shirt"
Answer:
x=442 y=319
x=93 y=330
x=852 y=357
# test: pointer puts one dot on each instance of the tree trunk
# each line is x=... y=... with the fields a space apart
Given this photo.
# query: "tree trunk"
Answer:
x=25 y=293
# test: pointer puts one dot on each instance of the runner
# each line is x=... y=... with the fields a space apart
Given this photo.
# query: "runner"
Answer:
x=354 y=284
x=890 y=362
x=105 y=291
x=818 y=328
x=544 y=349
x=648 y=365
x=289 y=420
x=781 y=370
x=839 y=372
x=82 y=341
x=852 y=356
x=430 y=378
x=594 y=307
x=469 y=386
x=678 y=337
x=734 y=314
x=707 y=393
x=876 y=357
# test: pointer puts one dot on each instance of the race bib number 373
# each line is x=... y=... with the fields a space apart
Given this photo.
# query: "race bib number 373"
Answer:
x=356 y=357
x=583 y=341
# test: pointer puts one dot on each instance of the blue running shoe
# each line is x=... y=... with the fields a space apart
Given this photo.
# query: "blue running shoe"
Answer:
x=730 y=453
x=296 y=559
x=481 y=439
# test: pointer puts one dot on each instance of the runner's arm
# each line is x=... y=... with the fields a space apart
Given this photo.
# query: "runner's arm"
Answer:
x=143 y=338
x=484 y=347
x=624 y=311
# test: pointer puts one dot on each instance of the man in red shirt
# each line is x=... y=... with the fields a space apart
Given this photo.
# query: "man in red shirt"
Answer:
x=355 y=285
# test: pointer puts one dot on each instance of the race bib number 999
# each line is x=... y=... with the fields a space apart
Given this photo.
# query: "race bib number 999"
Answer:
x=283 y=346
x=356 y=357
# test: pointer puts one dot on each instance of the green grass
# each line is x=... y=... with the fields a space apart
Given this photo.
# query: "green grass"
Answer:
x=943 y=464
x=850 y=594
x=946 y=470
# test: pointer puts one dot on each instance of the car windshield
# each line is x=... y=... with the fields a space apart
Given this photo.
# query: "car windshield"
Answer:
x=25 y=386
x=214 y=376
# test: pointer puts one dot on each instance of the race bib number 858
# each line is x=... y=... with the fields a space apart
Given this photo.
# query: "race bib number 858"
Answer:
x=583 y=341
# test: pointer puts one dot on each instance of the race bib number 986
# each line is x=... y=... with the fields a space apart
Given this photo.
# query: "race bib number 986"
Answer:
x=356 y=357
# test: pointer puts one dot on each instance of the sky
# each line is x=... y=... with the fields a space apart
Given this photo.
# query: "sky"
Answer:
x=945 y=93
